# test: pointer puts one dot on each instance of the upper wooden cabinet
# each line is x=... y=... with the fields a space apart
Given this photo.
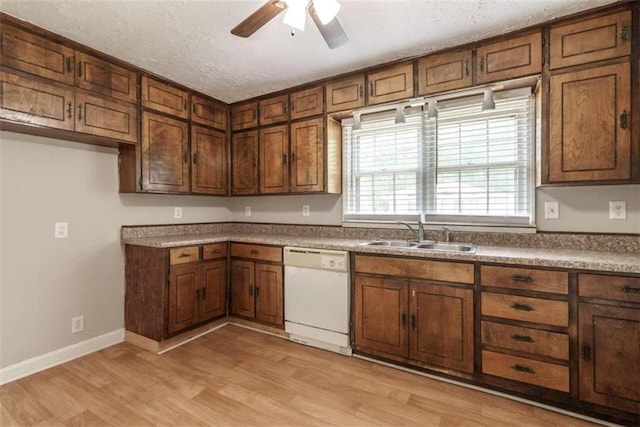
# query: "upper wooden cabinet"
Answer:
x=391 y=84
x=244 y=116
x=307 y=103
x=274 y=110
x=592 y=40
x=345 y=94
x=307 y=156
x=106 y=117
x=208 y=161
x=164 y=98
x=274 y=155
x=444 y=71
x=590 y=125
x=105 y=78
x=36 y=55
x=510 y=58
x=165 y=154
x=208 y=112
x=244 y=163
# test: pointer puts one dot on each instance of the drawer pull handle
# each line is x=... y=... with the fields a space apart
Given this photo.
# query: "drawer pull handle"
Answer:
x=624 y=120
x=521 y=368
x=522 y=278
x=522 y=307
x=630 y=290
x=184 y=255
x=624 y=33
x=522 y=338
x=253 y=252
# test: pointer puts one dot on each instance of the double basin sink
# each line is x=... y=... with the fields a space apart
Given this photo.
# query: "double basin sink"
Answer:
x=424 y=245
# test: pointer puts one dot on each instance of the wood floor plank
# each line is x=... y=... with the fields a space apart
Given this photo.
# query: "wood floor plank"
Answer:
x=238 y=377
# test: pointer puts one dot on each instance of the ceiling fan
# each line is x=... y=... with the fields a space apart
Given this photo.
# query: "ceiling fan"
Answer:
x=322 y=12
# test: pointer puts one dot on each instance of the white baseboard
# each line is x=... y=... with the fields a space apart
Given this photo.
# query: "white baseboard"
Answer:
x=57 y=357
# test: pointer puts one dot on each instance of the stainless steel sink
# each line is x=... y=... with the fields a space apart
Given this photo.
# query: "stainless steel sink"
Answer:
x=391 y=243
x=448 y=247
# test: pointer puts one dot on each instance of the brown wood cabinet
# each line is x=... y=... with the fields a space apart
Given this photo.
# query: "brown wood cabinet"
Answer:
x=274 y=110
x=208 y=161
x=244 y=116
x=345 y=94
x=244 y=163
x=274 y=155
x=107 y=118
x=391 y=84
x=165 y=154
x=162 y=97
x=590 y=125
x=307 y=156
x=444 y=72
x=208 y=112
x=30 y=53
x=307 y=103
x=105 y=78
x=257 y=288
x=507 y=59
x=591 y=40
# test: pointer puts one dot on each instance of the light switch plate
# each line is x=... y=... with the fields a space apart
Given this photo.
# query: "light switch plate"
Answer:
x=551 y=210
x=61 y=230
x=618 y=210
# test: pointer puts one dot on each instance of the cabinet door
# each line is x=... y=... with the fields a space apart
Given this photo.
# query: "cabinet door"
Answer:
x=164 y=98
x=107 y=118
x=508 y=59
x=609 y=340
x=592 y=40
x=36 y=55
x=28 y=101
x=105 y=78
x=345 y=94
x=443 y=72
x=244 y=163
x=274 y=110
x=307 y=103
x=213 y=292
x=184 y=281
x=165 y=154
x=590 y=121
x=307 y=156
x=208 y=112
x=209 y=161
x=381 y=316
x=274 y=152
x=269 y=294
x=242 y=287
x=391 y=84
x=244 y=116
x=442 y=326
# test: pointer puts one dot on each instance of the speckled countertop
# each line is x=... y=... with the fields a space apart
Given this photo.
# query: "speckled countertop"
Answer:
x=627 y=262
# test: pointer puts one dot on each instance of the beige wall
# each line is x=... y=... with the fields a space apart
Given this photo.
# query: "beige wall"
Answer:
x=46 y=281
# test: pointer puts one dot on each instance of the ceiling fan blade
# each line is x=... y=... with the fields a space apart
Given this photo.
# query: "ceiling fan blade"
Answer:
x=332 y=32
x=257 y=19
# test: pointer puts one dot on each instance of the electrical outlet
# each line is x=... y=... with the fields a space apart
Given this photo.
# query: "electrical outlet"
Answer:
x=77 y=324
x=618 y=210
x=551 y=210
x=305 y=210
x=177 y=213
x=61 y=230
x=247 y=211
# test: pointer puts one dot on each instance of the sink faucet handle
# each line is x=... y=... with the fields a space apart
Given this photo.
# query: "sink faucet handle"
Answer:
x=447 y=234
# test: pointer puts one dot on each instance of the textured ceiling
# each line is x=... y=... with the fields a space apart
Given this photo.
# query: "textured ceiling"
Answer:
x=188 y=41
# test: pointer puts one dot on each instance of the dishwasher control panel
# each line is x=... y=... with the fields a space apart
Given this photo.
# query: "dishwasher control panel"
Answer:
x=332 y=262
x=324 y=259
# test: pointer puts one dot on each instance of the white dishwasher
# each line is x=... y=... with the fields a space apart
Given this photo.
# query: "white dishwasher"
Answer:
x=317 y=298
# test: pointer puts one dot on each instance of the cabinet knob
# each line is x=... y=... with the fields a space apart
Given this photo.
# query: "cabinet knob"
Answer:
x=69 y=110
x=624 y=33
x=522 y=338
x=254 y=252
x=522 y=278
x=586 y=352
x=624 y=120
x=524 y=369
x=522 y=307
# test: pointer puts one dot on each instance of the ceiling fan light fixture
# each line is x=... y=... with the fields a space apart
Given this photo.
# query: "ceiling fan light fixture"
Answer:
x=327 y=10
x=295 y=15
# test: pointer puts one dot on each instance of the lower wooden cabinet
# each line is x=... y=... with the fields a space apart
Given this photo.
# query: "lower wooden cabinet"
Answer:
x=257 y=287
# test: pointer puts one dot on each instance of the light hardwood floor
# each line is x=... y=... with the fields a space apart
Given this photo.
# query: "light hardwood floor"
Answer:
x=236 y=377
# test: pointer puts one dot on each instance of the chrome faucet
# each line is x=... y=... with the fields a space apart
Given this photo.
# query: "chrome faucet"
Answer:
x=419 y=232
x=447 y=234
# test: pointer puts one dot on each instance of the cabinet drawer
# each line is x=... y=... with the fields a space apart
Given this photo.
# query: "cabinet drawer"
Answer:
x=162 y=97
x=184 y=255
x=596 y=39
x=244 y=116
x=456 y=272
x=214 y=250
x=274 y=110
x=525 y=278
x=307 y=103
x=265 y=253
x=345 y=94
x=391 y=84
x=444 y=71
x=105 y=78
x=536 y=310
x=526 y=340
x=508 y=59
x=617 y=288
x=525 y=370
x=208 y=112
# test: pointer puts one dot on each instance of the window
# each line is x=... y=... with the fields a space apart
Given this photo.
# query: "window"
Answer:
x=467 y=166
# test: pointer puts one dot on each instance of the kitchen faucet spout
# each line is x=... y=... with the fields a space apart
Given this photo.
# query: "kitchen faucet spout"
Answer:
x=419 y=232
x=447 y=234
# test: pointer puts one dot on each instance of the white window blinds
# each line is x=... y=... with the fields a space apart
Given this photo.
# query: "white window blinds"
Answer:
x=467 y=166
